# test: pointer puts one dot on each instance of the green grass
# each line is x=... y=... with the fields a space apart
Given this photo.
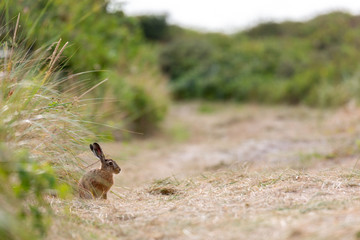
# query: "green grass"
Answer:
x=178 y=132
x=105 y=46
x=41 y=133
x=207 y=108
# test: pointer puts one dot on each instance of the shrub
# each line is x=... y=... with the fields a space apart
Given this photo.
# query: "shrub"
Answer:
x=154 y=27
x=144 y=100
x=183 y=55
x=290 y=62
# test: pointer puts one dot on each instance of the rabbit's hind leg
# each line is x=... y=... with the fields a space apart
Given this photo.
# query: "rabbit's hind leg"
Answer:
x=84 y=193
x=104 y=195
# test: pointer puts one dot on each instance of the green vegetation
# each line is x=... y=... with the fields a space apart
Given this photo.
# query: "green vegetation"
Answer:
x=40 y=135
x=154 y=27
x=103 y=45
x=314 y=62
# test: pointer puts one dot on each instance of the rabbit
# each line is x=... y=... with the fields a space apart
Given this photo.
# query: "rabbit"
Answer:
x=97 y=182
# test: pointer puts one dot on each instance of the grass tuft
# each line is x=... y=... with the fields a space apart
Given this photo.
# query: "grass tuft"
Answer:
x=163 y=191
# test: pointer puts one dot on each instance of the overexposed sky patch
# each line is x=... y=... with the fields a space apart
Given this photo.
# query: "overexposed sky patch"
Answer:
x=230 y=15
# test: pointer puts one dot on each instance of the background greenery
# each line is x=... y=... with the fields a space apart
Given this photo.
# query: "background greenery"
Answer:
x=314 y=62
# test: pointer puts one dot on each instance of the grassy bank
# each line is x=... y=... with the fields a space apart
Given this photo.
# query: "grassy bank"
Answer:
x=102 y=45
x=41 y=133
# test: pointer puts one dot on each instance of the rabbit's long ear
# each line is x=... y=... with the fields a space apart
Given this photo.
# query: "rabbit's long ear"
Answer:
x=96 y=149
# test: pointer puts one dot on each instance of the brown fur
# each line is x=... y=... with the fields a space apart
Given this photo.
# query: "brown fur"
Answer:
x=97 y=182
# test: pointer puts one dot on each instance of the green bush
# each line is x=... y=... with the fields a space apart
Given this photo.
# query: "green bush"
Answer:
x=183 y=55
x=143 y=105
x=290 y=62
x=98 y=41
x=154 y=27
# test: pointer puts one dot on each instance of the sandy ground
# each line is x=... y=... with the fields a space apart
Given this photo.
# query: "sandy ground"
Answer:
x=194 y=141
x=223 y=171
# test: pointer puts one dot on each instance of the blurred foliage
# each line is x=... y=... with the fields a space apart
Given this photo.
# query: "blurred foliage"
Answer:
x=154 y=27
x=314 y=62
x=24 y=212
x=183 y=55
x=98 y=41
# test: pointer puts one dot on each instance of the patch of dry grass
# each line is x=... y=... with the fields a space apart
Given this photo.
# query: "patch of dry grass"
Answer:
x=282 y=185
x=257 y=203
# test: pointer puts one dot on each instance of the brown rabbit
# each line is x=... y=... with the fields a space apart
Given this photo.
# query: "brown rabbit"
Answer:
x=97 y=182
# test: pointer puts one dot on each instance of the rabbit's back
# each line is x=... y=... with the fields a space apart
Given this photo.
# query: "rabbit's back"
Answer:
x=95 y=184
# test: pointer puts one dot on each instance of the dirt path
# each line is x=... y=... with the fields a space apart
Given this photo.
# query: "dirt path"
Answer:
x=201 y=138
x=230 y=172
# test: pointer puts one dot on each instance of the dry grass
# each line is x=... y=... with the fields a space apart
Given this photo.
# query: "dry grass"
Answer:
x=40 y=133
x=270 y=196
x=231 y=204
